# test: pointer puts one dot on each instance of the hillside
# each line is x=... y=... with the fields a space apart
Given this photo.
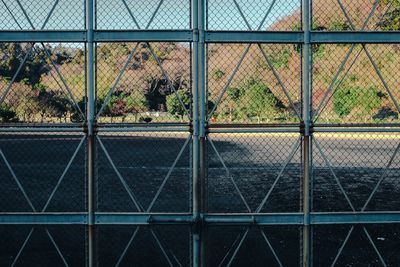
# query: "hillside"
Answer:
x=257 y=92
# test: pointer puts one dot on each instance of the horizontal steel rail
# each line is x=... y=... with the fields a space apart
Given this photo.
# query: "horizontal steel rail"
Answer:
x=253 y=37
x=143 y=124
x=102 y=218
x=356 y=130
x=41 y=129
x=143 y=129
x=356 y=125
x=355 y=218
x=43 y=36
x=43 y=218
x=143 y=36
x=355 y=37
x=316 y=218
x=185 y=129
x=255 y=130
x=143 y=218
x=244 y=130
x=252 y=125
x=189 y=35
x=255 y=219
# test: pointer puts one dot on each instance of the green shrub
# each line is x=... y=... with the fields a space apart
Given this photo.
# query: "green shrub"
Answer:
x=280 y=59
x=261 y=101
x=122 y=104
x=346 y=99
x=391 y=19
x=218 y=74
x=174 y=103
x=339 y=26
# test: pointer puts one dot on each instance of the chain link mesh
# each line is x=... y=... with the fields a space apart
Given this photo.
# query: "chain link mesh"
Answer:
x=42 y=172
x=254 y=15
x=356 y=170
x=358 y=245
x=254 y=144
x=42 y=15
x=239 y=246
x=143 y=83
x=50 y=245
x=154 y=245
x=150 y=14
x=42 y=83
x=254 y=173
x=254 y=83
x=355 y=84
x=144 y=172
x=355 y=15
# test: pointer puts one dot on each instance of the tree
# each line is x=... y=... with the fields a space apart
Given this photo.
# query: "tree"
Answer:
x=76 y=116
x=135 y=103
x=260 y=101
x=122 y=104
x=11 y=56
x=112 y=53
x=78 y=57
x=235 y=96
x=174 y=105
x=33 y=103
x=28 y=108
x=31 y=72
x=60 y=106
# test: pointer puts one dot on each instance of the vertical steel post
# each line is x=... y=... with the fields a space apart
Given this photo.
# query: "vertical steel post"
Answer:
x=202 y=123
x=306 y=76
x=198 y=130
x=196 y=231
x=90 y=80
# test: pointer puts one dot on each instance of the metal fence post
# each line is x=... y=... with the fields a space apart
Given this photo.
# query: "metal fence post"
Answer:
x=202 y=123
x=306 y=76
x=196 y=198
x=198 y=130
x=90 y=76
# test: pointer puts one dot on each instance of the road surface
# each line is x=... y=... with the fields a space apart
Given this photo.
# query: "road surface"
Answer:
x=254 y=162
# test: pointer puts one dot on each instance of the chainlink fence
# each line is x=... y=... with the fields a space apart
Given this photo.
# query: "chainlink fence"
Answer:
x=199 y=133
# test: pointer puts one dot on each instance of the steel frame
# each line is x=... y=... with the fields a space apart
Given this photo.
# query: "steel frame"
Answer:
x=80 y=36
x=198 y=132
x=124 y=218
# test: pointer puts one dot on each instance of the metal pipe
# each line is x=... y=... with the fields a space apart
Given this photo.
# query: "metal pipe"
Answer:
x=306 y=202
x=215 y=219
x=143 y=129
x=203 y=110
x=356 y=130
x=252 y=125
x=214 y=36
x=90 y=112
x=307 y=138
x=144 y=125
x=196 y=198
x=40 y=130
x=256 y=130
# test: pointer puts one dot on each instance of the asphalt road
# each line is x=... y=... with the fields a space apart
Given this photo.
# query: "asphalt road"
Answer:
x=253 y=162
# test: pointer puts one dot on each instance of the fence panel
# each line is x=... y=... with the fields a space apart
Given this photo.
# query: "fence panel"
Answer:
x=199 y=133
